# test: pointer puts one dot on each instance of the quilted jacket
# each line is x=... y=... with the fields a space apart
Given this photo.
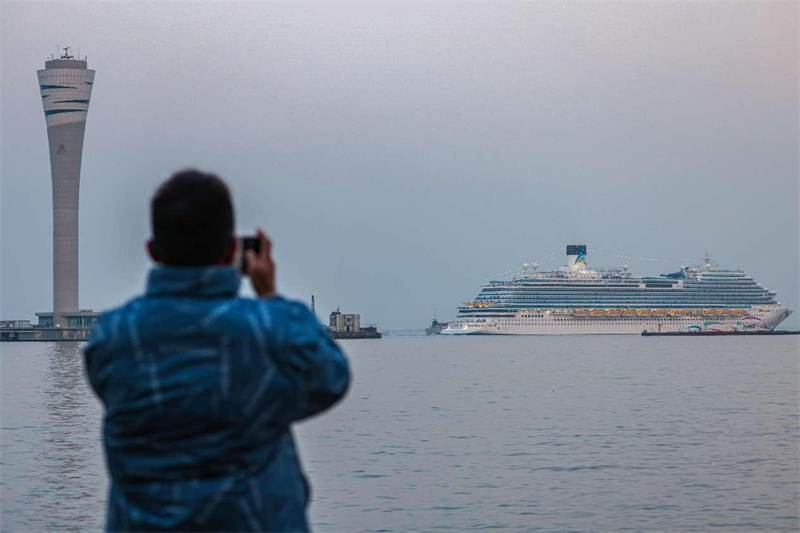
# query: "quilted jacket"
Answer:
x=200 y=388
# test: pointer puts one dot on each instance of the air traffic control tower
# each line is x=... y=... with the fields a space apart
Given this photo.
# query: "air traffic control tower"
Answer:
x=66 y=88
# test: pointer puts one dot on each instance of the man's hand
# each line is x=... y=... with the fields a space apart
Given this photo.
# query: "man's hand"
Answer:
x=261 y=268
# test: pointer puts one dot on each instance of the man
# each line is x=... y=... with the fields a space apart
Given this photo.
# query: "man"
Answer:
x=200 y=387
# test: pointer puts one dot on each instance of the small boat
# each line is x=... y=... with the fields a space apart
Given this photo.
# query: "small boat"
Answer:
x=436 y=327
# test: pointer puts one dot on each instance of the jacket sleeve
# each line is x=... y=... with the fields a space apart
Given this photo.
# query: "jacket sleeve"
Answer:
x=307 y=355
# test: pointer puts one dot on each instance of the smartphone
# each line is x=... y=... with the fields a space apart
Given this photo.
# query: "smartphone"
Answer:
x=244 y=244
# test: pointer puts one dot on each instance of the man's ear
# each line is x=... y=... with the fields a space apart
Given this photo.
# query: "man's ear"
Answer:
x=151 y=251
x=228 y=260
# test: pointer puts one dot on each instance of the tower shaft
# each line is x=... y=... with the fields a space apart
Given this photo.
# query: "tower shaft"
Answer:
x=66 y=149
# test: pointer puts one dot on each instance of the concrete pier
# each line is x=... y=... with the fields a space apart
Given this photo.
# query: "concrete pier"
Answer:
x=44 y=334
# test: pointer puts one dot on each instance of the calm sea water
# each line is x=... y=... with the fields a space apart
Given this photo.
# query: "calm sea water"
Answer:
x=505 y=433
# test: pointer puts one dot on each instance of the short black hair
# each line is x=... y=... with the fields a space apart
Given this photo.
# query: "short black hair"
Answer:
x=192 y=219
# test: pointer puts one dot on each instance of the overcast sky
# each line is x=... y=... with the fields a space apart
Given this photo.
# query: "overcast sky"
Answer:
x=400 y=155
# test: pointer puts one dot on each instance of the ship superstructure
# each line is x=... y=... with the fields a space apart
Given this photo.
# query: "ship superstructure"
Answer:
x=578 y=300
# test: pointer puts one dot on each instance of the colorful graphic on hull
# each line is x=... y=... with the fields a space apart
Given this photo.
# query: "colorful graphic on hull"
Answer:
x=746 y=323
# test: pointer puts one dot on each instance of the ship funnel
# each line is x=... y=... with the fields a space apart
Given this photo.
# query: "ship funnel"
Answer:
x=576 y=256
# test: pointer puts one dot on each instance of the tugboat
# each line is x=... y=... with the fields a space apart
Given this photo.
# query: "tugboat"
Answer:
x=436 y=327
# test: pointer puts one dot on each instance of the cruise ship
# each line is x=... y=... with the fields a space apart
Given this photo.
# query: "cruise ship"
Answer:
x=578 y=300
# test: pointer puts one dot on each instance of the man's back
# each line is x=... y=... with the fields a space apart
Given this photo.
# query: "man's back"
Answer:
x=200 y=388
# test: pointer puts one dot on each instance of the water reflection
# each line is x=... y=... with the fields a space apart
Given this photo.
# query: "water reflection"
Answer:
x=54 y=477
x=72 y=415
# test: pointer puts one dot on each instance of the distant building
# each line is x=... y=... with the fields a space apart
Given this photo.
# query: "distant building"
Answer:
x=65 y=85
x=348 y=326
x=85 y=318
x=341 y=323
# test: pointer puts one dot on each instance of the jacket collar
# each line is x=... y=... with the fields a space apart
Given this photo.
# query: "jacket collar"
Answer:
x=199 y=281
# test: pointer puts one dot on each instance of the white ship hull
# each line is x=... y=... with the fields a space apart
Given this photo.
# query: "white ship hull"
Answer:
x=533 y=322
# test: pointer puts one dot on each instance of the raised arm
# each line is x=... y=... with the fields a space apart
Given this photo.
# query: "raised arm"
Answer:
x=311 y=359
x=302 y=349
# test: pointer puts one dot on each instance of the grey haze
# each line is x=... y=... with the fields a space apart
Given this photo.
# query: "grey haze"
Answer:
x=401 y=154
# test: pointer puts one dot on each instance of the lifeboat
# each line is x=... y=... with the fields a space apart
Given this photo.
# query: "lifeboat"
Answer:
x=629 y=312
x=614 y=312
x=482 y=304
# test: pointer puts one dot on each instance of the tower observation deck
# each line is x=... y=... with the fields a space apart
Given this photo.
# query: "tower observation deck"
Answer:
x=66 y=85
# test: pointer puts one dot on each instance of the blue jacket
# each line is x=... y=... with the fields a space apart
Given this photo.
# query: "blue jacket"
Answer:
x=200 y=388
